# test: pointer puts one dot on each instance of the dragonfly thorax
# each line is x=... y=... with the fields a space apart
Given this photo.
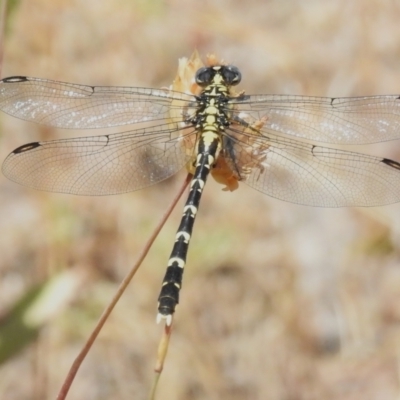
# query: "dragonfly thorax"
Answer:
x=212 y=103
x=213 y=112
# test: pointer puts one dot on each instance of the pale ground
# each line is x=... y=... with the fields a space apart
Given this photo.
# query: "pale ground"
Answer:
x=279 y=301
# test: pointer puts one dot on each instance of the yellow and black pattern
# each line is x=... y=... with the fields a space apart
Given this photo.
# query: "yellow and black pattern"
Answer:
x=210 y=122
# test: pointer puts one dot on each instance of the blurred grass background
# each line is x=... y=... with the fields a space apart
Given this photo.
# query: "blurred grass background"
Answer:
x=279 y=301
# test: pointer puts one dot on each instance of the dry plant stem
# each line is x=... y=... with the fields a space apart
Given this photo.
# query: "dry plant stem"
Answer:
x=81 y=356
x=163 y=348
x=161 y=354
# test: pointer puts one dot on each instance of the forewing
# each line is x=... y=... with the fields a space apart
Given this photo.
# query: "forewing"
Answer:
x=67 y=105
x=306 y=174
x=100 y=165
x=352 y=120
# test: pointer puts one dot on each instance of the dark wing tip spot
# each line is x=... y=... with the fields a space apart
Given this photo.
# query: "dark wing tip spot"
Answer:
x=15 y=79
x=391 y=163
x=26 y=147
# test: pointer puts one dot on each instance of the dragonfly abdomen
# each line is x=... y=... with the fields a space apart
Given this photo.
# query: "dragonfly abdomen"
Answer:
x=209 y=148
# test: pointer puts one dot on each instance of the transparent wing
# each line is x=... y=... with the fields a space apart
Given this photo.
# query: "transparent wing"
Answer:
x=100 y=165
x=67 y=105
x=313 y=175
x=352 y=120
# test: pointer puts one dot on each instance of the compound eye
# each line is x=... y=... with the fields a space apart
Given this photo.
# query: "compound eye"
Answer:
x=231 y=75
x=204 y=76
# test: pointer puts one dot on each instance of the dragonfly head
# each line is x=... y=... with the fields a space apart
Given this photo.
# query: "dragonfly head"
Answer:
x=226 y=74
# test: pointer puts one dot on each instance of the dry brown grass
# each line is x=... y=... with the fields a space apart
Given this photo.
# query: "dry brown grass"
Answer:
x=279 y=301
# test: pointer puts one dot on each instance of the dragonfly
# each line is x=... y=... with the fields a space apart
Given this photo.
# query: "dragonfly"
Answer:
x=270 y=142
